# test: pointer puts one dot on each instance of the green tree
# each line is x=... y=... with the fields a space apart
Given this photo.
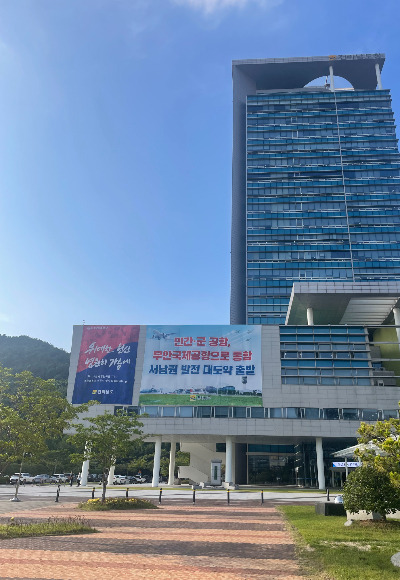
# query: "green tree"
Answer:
x=22 y=353
x=371 y=489
x=384 y=454
x=32 y=412
x=106 y=437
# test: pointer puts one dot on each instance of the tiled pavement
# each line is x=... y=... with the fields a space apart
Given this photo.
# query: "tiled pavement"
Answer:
x=174 y=542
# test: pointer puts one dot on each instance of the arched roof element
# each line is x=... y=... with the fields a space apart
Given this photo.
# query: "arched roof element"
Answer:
x=295 y=73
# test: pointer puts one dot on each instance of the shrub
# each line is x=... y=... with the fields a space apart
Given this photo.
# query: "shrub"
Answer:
x=50 y=527
x=370 y=489
x=116 y=503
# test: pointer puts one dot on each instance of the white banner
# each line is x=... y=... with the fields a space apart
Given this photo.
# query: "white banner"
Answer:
x=202 y=363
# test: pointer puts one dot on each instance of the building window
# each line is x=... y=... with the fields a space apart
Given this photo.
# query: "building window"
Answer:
x=185 y=412
x=350 y=414
x=370 y=414
x=257 y=412
x=311 y=413
x=331 y=414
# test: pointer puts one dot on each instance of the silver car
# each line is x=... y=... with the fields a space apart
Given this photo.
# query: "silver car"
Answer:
x=44 y=478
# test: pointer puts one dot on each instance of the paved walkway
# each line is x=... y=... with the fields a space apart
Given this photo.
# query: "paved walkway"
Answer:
x=174 y=542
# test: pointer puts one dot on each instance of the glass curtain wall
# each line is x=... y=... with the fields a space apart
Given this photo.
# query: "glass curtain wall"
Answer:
x=323 y=193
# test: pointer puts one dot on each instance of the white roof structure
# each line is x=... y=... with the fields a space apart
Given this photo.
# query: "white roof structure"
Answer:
x=351 y=451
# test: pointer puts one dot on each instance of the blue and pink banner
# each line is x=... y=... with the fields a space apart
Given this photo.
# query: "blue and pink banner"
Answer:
x=106 y=365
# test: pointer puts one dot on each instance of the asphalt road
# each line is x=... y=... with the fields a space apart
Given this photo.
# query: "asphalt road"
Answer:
x=46 y=494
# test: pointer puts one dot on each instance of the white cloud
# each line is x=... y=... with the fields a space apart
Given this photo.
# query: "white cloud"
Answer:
x=211 y=6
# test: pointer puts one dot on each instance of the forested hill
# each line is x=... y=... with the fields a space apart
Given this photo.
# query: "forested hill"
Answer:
x=22 y=353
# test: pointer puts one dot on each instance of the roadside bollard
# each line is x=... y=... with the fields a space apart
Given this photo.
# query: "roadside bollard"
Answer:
x=58 y=493
x=127 y=493
x=194 y=496
x=327 y=494
x=262 y=497
x=159 y=498
x=92 y=492
x=228 y=499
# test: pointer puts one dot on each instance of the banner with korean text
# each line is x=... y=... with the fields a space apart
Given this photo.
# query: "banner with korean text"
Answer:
x=202 y=365
x=106 y=365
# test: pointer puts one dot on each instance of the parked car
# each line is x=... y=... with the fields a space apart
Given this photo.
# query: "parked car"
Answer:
x=138 y=479
x=25 y=478
x=44 y=478
x=119 y=480
x=61 y=477
x=95 y=477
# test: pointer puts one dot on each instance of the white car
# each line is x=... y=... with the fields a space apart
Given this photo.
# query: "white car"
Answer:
x=61 y=477
x=25 y=478
x=119 y=480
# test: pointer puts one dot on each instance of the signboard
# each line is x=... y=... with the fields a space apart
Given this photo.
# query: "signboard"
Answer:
x=343 y=464
x=106 y=365
x=202 y=365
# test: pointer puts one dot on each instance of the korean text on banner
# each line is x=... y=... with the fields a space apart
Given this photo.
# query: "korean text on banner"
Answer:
x=202 y=365
x=106 y=365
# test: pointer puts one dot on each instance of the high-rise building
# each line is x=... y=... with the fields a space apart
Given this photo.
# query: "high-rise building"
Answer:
x=313 y=345
x=316 y=189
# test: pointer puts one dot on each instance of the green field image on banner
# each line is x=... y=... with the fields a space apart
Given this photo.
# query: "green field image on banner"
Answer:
x=217 y=365
x=198 y=400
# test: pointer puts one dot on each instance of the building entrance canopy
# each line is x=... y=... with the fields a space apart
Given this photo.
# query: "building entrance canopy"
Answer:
x=350 y=452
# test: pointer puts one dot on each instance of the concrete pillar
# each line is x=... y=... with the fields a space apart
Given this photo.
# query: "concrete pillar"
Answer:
x=110 y=479
x=229 y=459
x=332 y=86
x=310 y=317
x=346 y=467
x=378 y=77
x=320 y=463
x=171 y=472
x=396 y=313
x=156 y=465
x=85 y=472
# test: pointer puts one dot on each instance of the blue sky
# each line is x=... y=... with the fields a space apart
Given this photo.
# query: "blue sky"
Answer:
x=115 y=148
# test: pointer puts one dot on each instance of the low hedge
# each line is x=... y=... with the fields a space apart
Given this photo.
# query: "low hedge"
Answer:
x=116 y=503
x=15 y=528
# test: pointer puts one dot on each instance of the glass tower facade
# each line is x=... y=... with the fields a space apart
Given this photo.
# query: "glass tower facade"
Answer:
x=322 y=192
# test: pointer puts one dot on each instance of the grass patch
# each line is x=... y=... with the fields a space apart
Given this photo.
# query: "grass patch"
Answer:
x=116 y=503
x=328 y=549
x=51 y=527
